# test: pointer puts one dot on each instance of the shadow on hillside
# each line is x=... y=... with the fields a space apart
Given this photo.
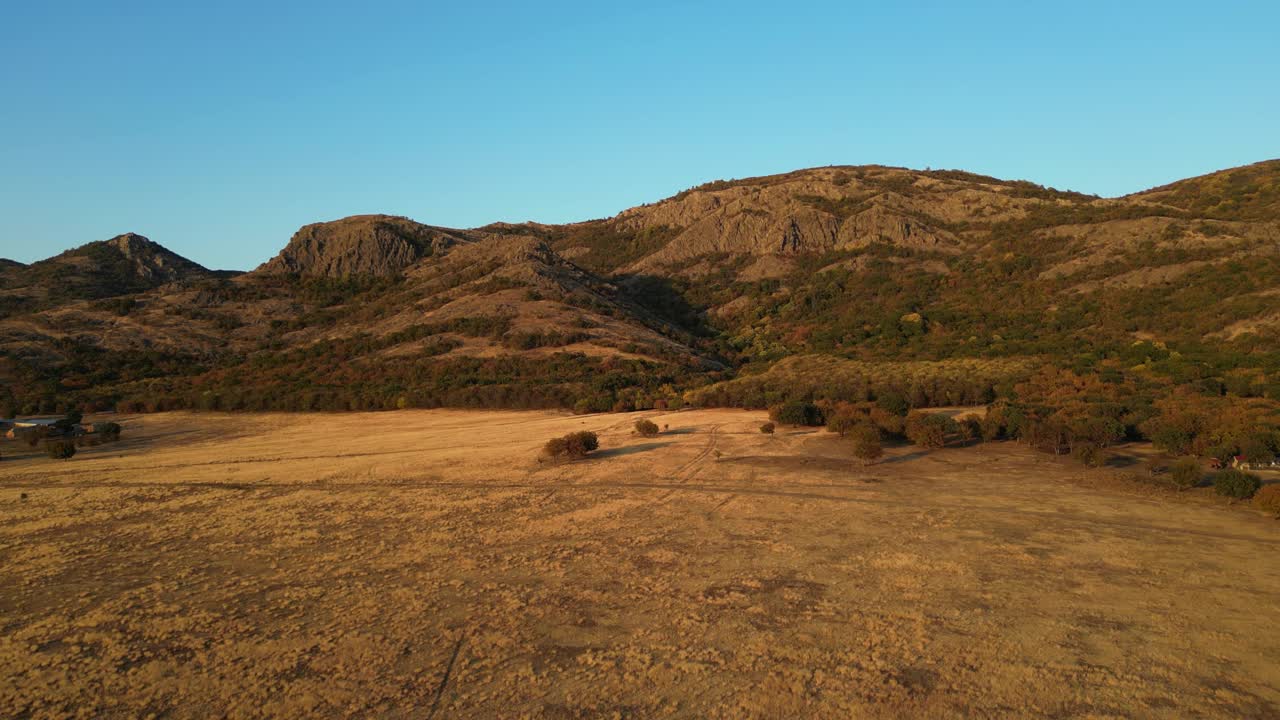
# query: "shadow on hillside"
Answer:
x=629 y=450
x=1122 y=461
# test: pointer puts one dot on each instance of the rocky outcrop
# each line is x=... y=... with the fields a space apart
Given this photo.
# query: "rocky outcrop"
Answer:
x=378 y=245
x=810 y=211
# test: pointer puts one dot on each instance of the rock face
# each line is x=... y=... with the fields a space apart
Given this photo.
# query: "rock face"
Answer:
x=811 y=211
x=378 y=245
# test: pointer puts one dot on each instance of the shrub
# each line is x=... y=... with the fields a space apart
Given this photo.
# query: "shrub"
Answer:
x=1088 y=454
x=1185 y=473
x=647 y=428
x=767 y=428
x=1236 y=484
x=107 y=430
x=928 y=429
x=797 y=413
x=573 y=446
x=894 y=402
x=1268 y=500
x=866 y=443
x=60 y=449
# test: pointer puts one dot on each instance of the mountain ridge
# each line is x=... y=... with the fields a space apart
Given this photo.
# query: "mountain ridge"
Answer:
x=868 y=263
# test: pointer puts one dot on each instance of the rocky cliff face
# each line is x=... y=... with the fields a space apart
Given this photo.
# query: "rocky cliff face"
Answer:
x=814 y=211
x=379 y=245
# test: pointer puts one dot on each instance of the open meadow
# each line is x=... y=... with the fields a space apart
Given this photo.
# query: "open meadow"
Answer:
x=425 y=564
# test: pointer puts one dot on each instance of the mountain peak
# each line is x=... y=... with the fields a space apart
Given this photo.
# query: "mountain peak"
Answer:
x=379 y=245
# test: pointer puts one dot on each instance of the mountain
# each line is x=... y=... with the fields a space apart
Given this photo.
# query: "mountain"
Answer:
x=867 y=266
x=125 y=264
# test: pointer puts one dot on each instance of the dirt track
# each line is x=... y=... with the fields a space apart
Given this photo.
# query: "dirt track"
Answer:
x=422 y=564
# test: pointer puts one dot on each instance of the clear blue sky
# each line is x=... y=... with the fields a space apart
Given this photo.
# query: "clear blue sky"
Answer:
x=217 y=129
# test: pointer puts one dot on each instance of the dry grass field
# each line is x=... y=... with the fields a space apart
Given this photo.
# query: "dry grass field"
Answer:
x=423 y=564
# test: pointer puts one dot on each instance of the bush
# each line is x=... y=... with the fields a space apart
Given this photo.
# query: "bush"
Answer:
x=797 y=413
x=767 y=428
x=1236 y=484
x=60 y=449
x=107 y=430
x=1268 y=500
x=573 y=446
x=1088 y=454
x=1185 y=473
x=929 y=430
x=893 y=402
x=866 y=443
x=647 y=428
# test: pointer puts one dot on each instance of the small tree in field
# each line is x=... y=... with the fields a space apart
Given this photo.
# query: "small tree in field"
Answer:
x=573 y=446
x=1185 y=473
x=866 y=443
x=647 y=428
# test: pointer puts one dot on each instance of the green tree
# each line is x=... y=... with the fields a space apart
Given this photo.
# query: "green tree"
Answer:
x=1236 y=484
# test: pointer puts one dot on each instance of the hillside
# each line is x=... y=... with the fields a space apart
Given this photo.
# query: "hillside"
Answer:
x=1173 y=286
x=123 y=265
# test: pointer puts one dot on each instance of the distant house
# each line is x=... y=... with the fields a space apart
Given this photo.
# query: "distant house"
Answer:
x=11 y=427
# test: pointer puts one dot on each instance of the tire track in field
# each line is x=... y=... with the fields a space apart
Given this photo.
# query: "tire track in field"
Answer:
x=690 y=469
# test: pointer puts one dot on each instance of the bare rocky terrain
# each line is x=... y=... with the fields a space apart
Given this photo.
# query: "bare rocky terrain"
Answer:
x=423 y=564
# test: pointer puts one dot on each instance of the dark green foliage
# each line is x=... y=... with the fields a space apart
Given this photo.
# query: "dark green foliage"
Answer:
x=572 y=446
x=647 y=428
x=1236 y=484
x=797 y=413
x=1185 y=473
x=60 y=448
